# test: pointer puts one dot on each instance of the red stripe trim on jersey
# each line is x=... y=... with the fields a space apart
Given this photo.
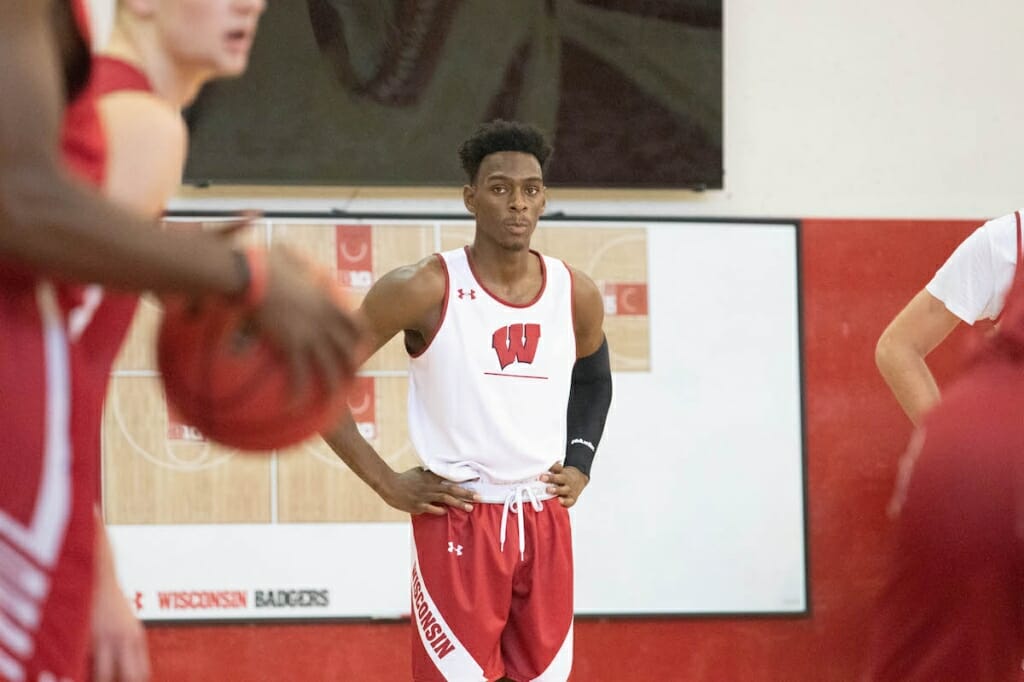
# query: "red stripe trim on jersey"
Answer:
x=81 y=12
x=499 y=299
x=514 y=376
x=111 y=75
x=444 y=308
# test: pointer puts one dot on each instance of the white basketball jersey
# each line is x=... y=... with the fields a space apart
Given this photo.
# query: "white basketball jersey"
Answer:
x=488 y=396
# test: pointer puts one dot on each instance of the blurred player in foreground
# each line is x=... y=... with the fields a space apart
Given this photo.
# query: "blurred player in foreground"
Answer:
x=122 y=133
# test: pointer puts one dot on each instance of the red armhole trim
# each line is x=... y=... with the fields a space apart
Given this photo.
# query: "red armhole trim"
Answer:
x=444 y=307
x=572 y=308
x=112 y=75
x=81 y=12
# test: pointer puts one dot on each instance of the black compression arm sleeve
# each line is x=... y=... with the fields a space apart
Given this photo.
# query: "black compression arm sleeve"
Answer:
x=589 y=399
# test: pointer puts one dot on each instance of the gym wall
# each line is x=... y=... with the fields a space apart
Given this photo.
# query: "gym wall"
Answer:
x=861 y=112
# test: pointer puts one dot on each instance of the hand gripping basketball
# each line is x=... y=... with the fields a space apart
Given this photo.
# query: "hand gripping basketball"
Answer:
x=229 y=368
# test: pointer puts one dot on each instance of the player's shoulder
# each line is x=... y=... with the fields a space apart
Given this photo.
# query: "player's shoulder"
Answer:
x=584 y=289
x=1002 y=228
x=138 y=119
x=154 y=111
x=587 y=304
x=424 y=279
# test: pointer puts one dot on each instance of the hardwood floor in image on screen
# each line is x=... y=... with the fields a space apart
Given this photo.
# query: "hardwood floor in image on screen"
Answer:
x=158 y=470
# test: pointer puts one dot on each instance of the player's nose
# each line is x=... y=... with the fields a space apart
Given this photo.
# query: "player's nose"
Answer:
x=250 y=6
x=517 y=200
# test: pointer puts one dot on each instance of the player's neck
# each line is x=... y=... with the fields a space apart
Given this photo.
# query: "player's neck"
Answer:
x=511 y=273
x=171 y=82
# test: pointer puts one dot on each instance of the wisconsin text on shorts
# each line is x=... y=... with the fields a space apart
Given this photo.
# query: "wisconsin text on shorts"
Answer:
x=433 y=632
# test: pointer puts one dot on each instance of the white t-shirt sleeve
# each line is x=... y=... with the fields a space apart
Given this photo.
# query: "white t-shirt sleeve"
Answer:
x=974 y=281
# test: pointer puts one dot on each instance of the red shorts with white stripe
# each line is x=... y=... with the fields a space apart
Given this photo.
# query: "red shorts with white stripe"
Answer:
x=492 y=592
x=47 y=494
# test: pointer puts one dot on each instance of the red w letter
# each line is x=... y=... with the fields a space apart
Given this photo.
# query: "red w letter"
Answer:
x=516 y=342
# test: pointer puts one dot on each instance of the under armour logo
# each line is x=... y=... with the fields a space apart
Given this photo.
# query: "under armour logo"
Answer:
x=138 y=601
x=452 y=547
x=471 y=293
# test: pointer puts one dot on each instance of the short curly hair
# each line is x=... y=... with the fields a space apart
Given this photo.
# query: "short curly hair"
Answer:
x=502 y=136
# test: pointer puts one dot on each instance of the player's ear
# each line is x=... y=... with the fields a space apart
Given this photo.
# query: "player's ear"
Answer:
x=469 y=198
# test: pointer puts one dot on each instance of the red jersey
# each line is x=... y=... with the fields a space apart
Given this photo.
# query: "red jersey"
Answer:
x=56 y=350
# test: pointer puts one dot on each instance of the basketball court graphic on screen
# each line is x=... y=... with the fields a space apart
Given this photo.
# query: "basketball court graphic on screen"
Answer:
x=313 y=484
x=158 y=469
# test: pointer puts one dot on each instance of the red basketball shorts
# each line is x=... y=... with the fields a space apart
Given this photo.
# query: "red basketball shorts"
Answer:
x=953 y=605
x=492 y=590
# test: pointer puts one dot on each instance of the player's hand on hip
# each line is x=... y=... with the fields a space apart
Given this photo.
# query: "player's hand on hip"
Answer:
x=418 y=491
x=306 y=322
x=566 y=483
x=119 y=652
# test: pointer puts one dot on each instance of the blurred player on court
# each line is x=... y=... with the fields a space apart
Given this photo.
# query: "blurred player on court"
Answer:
x=503 y=344
x=953 y=606
x=59 y=336
x=971 y=285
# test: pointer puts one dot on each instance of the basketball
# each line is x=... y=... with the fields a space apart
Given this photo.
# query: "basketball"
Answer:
x=223 y=377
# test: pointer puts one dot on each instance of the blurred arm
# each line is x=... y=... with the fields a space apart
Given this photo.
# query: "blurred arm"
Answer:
x=118 y=639
x=901 y=350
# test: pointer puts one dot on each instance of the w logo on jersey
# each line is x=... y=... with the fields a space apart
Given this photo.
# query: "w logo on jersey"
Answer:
x=516 y=343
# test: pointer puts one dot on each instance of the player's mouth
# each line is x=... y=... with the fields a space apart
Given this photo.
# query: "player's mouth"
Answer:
x=239 y=41
x=517 y=226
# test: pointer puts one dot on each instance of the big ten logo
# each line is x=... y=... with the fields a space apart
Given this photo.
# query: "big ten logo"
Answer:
x=362 y=401
x=354 y=255
x=624 y=298
x=178 y=429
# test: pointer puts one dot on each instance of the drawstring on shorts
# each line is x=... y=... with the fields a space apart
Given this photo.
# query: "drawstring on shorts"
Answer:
x=514 y=503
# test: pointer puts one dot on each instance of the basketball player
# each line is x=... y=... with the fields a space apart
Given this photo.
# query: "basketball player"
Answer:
x=55 y=231
x=504 y=343
x=970 y=286
x=953 y=605
x=158 y=57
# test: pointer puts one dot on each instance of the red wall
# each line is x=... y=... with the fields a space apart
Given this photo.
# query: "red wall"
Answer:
x=856 y=276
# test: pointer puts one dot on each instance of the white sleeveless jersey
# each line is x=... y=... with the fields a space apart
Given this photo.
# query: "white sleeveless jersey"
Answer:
x=489 y=394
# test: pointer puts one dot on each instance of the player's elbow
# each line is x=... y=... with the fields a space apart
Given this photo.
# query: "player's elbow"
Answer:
x=890 y=351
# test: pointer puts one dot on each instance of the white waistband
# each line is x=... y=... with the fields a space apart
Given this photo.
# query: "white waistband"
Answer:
x=497 y=493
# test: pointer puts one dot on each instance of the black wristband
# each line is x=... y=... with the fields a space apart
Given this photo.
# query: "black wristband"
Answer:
x=580 y=454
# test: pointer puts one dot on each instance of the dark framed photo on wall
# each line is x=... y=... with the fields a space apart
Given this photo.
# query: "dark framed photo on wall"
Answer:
x=380 y=92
